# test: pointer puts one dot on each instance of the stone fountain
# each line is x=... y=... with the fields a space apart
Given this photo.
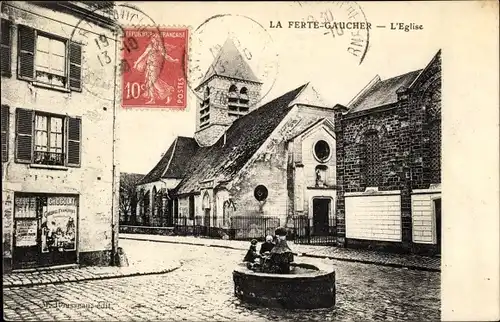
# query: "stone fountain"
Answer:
x=276 y=280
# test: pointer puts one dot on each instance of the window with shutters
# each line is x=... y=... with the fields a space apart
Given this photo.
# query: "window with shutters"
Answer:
x=6 y=46
x=371 y=159
x=5 y=133
x=47 y=139
x=49 y=60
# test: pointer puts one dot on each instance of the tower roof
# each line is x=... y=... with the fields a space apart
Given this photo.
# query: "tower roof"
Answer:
x=230 y=63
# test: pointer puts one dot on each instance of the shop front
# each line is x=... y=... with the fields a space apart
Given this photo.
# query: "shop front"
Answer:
x=45 y=230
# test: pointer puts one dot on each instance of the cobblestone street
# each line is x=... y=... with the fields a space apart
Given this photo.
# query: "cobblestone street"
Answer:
x=202 y=290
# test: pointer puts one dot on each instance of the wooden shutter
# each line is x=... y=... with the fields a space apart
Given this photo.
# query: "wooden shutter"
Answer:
x=26 y=53
x=6 y=48
x=24 y=135
x=5 y=133
x=74 y=146
x=75 y=66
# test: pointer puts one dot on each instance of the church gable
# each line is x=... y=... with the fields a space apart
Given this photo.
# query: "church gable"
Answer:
x=172 y=164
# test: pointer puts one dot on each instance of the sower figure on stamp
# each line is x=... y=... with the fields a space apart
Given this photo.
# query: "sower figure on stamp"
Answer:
x=151 y=61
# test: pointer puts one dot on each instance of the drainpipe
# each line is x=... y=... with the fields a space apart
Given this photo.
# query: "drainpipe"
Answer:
x=113 y=182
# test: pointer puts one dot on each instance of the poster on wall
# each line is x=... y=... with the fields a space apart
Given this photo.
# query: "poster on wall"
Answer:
x=26 y=231
x=25 y=207
x=59 y=224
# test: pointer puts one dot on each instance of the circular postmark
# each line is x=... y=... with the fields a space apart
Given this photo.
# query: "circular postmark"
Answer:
x=105 y=54
x=343 y=21
x=234 y=47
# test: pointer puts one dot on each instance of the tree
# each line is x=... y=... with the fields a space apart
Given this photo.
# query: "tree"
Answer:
x=128 y=196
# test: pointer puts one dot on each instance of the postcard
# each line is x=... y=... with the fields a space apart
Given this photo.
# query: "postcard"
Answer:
x=250 y=161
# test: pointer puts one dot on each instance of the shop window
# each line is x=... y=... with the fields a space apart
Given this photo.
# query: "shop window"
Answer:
x=322 y=151
x=57 y=139
x=49 y=59
x=45 y=229
x=372 y=159
x=260 y=193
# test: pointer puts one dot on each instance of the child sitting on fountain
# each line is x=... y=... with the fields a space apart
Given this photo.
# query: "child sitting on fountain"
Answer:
x=251 y=255
x=267 y=246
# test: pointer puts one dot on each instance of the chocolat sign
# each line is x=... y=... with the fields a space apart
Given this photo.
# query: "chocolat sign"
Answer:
x=59 y=225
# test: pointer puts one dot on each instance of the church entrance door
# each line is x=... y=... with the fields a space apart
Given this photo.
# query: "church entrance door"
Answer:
x=321 y=209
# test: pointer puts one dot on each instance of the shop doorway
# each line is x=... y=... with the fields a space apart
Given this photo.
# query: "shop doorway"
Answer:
x=45 y=230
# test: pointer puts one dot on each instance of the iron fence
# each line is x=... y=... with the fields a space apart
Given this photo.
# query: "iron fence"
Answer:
x=308 y=231
x=238 y=228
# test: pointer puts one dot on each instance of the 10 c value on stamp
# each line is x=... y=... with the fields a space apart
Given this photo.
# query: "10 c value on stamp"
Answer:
x=152 y=67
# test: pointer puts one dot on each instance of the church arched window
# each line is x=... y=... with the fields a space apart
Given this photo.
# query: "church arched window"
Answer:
x=244 y=95
x=371 y=155
x=233 y=89
x=233 y=94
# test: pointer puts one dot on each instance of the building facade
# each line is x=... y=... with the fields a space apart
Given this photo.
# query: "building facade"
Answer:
x=59 y=179
x=389 y=163
x=246 y=160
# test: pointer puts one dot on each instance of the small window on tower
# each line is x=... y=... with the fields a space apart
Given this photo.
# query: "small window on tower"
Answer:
x=233 y=94
x=244 y=95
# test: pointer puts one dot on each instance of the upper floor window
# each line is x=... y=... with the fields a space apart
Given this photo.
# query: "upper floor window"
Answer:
x=372 y=159
x=57 y=139
x=49 y=59
x=48 y=140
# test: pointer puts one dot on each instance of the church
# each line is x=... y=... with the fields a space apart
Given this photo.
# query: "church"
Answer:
x=246 y=159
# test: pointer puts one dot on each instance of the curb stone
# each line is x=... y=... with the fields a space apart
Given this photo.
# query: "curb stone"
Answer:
x=395 y=265
x=91 y=278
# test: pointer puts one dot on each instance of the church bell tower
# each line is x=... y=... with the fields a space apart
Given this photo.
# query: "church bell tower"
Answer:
x=228 y=91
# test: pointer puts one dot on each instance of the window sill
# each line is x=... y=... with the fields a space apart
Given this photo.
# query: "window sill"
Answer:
x=49 y=167
x=48 y=86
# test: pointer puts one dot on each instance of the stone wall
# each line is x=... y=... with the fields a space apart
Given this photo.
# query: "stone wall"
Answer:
x=219 y=119
x=409 y=133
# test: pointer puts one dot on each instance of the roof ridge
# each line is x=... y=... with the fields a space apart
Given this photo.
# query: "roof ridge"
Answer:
x=171 y=157
x=229 y=48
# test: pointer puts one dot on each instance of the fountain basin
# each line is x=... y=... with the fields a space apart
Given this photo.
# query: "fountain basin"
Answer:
x=306 y=287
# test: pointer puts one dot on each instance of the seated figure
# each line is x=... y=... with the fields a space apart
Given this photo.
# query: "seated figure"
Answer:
x=267 y=245
x=280 y=255
x=251 y=254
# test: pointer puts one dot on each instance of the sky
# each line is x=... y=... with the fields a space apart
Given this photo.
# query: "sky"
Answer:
x=301 y=56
